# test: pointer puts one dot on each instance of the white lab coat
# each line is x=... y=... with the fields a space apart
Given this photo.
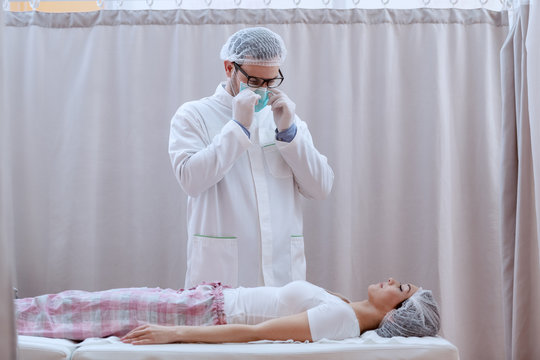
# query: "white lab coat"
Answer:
x=244 y=193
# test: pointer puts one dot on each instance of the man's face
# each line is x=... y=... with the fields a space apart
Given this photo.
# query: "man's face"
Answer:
x=235 y=76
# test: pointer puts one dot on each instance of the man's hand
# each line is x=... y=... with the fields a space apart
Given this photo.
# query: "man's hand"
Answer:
x=283 y=109
x=243 y=107
x=152 y=334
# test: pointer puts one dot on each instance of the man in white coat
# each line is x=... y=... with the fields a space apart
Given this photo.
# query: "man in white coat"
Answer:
x=245 y=159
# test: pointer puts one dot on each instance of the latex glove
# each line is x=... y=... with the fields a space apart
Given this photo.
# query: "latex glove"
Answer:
x=243 y=105
x=283 y=109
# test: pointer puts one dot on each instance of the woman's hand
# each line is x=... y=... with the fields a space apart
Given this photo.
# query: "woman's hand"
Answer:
x=295 y=327
x=151 y=334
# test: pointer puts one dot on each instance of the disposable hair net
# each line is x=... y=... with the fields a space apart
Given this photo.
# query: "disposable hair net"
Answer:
x=417 y=316
x=255 y=46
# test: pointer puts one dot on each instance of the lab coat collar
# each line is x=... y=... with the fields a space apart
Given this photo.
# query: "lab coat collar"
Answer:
x=223 y=96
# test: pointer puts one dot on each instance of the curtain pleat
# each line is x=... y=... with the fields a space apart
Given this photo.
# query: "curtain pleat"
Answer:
x=520 y=169
x=404 y=103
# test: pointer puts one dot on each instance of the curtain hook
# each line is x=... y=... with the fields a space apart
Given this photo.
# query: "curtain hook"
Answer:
x=99 y=3
x=454 y=2
x=34 y=4
x=385 y=2
x=326 y=2
x=208 y=2
x=179 y=3
x=426 y=2
x=356 y=2
x=120 y=3
x=483 y=2
x=237 y=3
x=267 y=2
x=297 y=2
x=149 y=3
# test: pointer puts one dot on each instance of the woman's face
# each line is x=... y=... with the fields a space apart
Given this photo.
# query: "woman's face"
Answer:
x=387 y=295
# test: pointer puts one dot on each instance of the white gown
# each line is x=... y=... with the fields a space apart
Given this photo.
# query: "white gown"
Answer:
x=329 y=317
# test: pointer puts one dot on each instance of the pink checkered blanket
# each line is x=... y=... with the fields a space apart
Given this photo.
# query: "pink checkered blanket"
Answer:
x=78 y=315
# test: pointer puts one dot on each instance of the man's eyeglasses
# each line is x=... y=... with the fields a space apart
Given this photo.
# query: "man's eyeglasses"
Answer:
x=253 y=81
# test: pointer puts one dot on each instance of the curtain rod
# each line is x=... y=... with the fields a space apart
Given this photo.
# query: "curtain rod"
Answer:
x=497 y=5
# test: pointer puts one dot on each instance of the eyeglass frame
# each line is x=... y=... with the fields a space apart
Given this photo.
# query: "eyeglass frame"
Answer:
x=264 y=81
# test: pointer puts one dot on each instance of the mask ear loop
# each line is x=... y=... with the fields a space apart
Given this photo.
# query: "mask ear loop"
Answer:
x=231 y=82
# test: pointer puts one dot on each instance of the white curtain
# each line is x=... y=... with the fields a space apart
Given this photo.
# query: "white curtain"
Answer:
x=520 y=222
x=7 y=325
x=404 y=103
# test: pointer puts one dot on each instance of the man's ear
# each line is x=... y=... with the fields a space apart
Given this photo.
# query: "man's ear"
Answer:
x=229 y=67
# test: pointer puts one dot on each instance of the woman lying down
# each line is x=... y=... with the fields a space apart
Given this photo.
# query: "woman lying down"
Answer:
x=211 y=313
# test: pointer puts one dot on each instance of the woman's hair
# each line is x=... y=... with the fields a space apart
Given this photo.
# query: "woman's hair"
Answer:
x=417 y=316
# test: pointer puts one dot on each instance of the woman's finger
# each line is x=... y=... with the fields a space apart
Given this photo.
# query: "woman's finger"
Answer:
x=134 y=335
x=143 y=342
x=135 y=338
x=136 y=332
x=139 y=327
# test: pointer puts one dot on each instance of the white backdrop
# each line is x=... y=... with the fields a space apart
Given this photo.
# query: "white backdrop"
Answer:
x=404 y=103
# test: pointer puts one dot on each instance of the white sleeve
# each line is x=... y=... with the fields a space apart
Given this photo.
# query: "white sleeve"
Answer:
x=333 y=321
x=310 y=168
x=199 y=162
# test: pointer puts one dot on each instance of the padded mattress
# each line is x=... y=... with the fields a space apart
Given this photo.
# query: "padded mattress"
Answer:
x=367 y=347
x=38 y=348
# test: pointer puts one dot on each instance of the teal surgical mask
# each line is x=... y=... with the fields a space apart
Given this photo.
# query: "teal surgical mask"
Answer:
x=262 y=91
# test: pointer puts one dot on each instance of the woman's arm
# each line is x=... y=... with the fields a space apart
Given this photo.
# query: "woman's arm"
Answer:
x=295 y=327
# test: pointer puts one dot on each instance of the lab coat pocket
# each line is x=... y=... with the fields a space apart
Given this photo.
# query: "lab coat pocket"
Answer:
x=277 y=166
x=214 y=259
x=298 y=258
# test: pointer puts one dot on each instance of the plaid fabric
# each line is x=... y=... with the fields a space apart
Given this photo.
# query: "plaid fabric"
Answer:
x=78 y=315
